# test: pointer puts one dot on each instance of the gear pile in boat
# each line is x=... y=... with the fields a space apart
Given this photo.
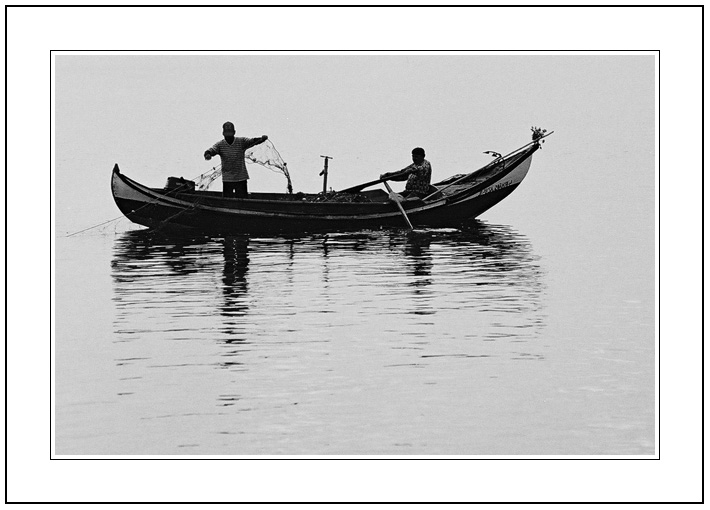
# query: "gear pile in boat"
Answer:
x=334 y=196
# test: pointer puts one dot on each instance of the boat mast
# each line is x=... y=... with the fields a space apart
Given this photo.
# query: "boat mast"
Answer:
x=324 y=173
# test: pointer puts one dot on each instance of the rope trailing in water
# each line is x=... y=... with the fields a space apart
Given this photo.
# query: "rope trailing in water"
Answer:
x=95 y=226
x=212 y=175
x=166 y=221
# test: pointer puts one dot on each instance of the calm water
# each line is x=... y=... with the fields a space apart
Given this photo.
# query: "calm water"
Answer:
x=376 y=342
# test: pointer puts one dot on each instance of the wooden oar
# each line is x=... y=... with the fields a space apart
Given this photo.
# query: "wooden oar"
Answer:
x=360 y=187
x=401 y=209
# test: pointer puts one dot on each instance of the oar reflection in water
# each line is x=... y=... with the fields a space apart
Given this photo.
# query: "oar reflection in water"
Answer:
x=417 y=248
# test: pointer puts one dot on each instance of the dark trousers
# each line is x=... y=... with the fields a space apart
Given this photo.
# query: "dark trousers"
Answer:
x=234 y=189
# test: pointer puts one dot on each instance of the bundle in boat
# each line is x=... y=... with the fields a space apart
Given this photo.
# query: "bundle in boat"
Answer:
x=180 y=184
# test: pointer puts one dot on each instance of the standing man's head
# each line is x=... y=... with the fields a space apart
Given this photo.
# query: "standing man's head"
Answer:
x=418 y=155
x=228 y=131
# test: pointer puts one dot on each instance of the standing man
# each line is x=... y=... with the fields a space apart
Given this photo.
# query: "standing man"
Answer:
x=418 y=175
x=231 y=152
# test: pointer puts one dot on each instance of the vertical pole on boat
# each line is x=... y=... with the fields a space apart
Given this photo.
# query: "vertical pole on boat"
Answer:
x=324 y=173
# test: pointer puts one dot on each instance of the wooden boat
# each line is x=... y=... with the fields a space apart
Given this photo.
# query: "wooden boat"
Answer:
x=452 y=202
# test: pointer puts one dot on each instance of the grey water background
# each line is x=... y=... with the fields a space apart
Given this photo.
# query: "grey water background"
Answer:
x=528 y=332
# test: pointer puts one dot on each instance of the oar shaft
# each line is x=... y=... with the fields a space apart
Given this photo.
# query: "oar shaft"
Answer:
x=361 y=187
x=401 y=209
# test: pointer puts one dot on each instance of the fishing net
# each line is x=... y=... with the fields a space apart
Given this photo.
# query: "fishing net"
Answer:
x=266 y=155
x=204 y=181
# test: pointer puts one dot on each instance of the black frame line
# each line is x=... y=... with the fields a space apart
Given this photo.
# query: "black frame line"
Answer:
x=658 y=84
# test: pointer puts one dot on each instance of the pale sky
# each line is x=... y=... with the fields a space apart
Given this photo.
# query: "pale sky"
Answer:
x=155 y=115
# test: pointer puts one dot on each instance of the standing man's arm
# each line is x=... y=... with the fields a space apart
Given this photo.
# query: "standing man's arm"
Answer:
x=212 y=151
x=256 y=141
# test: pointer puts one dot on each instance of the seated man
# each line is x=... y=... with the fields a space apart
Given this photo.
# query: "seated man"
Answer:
x=417 y=175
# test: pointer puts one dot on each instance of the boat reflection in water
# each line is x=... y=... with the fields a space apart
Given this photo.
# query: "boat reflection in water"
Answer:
x=248 y=294
x=490 y=275
x=166 y=289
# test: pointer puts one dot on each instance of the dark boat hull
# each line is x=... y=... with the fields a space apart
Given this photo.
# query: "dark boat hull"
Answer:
x=209 y=213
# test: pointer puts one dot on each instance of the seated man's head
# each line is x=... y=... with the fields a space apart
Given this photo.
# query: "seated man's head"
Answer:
x=418 y=155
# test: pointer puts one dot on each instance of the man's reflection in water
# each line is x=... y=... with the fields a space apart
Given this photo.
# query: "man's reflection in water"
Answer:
x=235 y=286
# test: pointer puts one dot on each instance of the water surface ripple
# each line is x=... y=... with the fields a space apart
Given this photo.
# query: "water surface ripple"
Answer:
x=346 y=343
